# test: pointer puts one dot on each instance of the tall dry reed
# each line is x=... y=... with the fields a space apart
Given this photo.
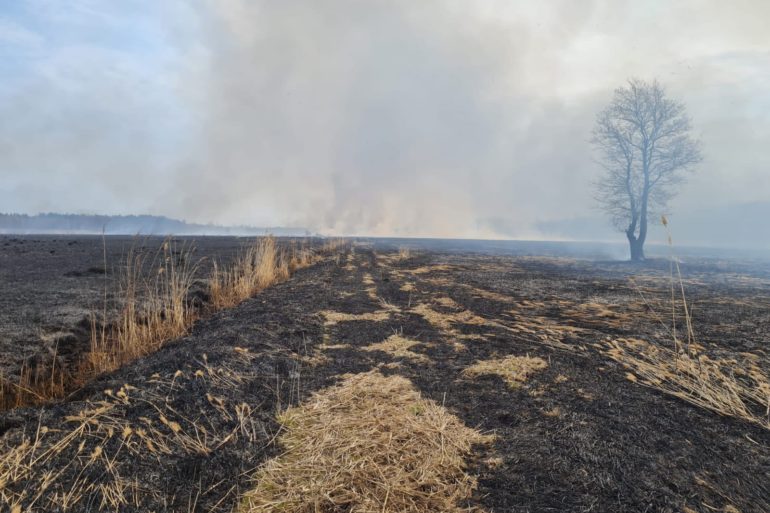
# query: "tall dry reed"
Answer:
x=154 y=307
x=736 y=386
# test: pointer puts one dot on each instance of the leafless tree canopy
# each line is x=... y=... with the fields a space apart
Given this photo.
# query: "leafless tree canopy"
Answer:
x=645 y=147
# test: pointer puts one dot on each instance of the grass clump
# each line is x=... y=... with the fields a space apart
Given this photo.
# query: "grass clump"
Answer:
x=398 y=347
x=255 y=268
x=370 y=444
x=155 y=306
x=515 y=370
x=332 y=317
x=35 y=385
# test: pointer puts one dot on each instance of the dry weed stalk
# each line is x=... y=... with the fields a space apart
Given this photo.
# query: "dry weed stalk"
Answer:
x=371 y=444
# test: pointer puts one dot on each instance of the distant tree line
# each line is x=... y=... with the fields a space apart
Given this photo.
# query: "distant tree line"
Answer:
x=126 y=225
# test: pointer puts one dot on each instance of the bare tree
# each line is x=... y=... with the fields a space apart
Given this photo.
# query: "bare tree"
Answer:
x=645 y=146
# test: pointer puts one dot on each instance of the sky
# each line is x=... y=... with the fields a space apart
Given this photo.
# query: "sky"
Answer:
x=368 y=117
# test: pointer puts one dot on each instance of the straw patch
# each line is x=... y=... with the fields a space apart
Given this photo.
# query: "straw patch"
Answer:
x=399 y=347
x=515 y=370
x=445 y=320
x=371 y=288
x=605 y=314
x=439 y=282
x=727 y=386
x=488 y=294
x=333 y=317
x=370 y=444
x=431 y=268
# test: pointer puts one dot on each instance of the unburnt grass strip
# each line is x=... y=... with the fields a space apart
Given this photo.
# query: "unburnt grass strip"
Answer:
x=155 y=306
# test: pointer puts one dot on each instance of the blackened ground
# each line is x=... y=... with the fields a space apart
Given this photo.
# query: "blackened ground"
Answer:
x=52 y=285
x=577 y=436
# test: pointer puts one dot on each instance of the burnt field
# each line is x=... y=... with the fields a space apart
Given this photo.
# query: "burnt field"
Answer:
x=50 y=286
x=580 y=394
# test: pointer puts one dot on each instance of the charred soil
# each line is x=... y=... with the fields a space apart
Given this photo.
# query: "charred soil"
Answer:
x=186 y=428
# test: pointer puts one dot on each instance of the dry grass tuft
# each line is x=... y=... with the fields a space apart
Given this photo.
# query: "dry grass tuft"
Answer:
x=515 y=370
x=34 y=385
x=425 y=269
x=256 y=268
x=727 y=386
x=399 y=347
x=333 y=317
x=445 y=321
x=737 y=386
x=404 y=253
x=155 y=307
x=371 y=444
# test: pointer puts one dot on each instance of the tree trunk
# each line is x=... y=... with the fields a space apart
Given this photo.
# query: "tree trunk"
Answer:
x=637 y=249
x=642 y=238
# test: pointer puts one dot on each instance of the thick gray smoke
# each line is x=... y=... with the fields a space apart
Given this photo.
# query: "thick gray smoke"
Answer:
x=365 y=117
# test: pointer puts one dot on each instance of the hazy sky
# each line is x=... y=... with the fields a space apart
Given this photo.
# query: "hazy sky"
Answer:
x=398 y=117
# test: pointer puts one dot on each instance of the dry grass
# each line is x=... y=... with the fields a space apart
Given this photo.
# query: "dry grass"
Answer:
x=371 y=288
x=34 y=385
x=430 y=268
x=91 y=462
x=333 y=318
x=515 y=370
x=398 y=347
x=445 y=321
x=738 y=388
x=153 y=292
x=254 y=269
x=488 y=294
x=371 y=444
x=155 y=307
